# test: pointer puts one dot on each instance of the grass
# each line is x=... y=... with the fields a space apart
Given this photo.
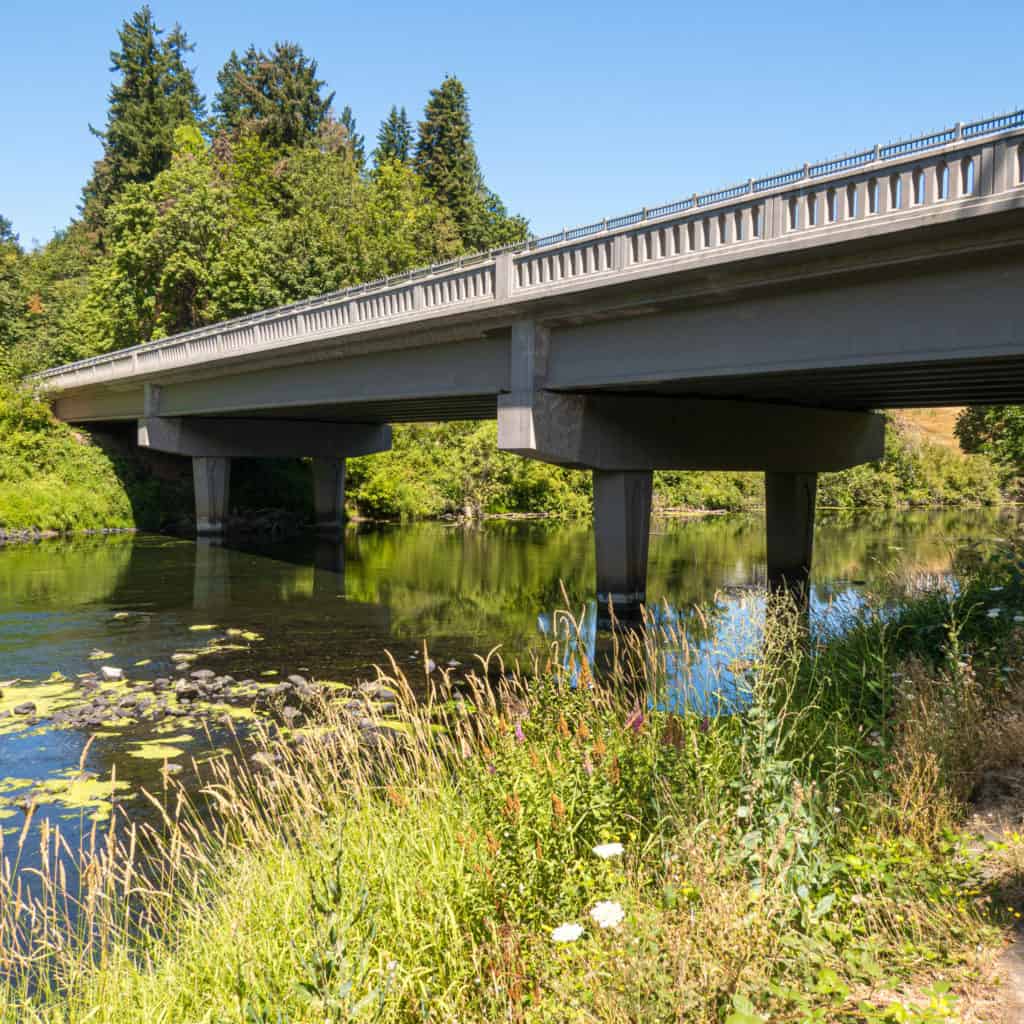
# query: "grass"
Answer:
x=801 y=861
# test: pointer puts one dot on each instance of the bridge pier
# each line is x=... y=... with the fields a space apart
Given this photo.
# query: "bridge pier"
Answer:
x=622 y=534
x=622 y=438
x=789 y=512
x=213 y=441
x=211 y=480
x=329 y=494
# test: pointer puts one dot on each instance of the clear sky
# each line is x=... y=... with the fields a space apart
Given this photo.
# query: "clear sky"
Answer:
x=581 y=109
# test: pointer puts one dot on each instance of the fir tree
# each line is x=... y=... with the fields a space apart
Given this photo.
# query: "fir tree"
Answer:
x=156 y=92
x=394 y=140
x=277 y=96
x=10 y=298
x=447 y=162
x=356 y=143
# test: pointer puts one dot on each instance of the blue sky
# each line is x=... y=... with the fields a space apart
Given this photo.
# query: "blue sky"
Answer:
x=581 y=110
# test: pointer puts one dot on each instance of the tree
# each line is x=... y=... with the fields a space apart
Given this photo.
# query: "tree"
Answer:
x=277 y=96
x=10 y=290
x=996 y=431
x=356 y=143
x=447 y=162
x=394 y=140
x=156 y=92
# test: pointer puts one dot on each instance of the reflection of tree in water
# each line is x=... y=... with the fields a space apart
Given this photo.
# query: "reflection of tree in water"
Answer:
x=79 y=571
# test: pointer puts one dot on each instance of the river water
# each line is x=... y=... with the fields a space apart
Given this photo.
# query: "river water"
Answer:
x=330 y=611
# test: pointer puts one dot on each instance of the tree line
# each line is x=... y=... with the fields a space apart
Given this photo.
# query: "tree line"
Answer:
x=196 y=212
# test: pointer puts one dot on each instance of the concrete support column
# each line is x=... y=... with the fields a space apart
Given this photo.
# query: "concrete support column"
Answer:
x=329 y=494
x=789 y=508
x=211 y=477
x=622 y=533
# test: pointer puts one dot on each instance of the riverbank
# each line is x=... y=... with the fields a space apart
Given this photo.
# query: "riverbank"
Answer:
x=578 y=850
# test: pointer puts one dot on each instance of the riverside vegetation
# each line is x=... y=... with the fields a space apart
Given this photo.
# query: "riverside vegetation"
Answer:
x=193 y=215
x=581 y=843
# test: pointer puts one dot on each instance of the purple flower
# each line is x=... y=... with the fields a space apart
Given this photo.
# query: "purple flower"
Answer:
x=635 y=720
x=520 y=738
x=705 y=724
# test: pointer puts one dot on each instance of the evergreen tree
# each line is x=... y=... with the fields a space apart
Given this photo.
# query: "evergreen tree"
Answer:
x=156 y=92
x=276 y=95
x=447 y=162
x=356 y=143
x=10 y=297
x=394 y=140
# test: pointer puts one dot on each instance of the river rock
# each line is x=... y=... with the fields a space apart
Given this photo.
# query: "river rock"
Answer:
x=26 y=708
x=111 y=674
x=376 y=691
x=161 y=684
x=202 y=674
x=298 y=681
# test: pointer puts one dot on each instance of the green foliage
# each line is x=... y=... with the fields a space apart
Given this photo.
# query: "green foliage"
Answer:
x=394 y=140
x=155 y=94
x=50 y=477
x=276 y=96
x=356 y=143
x=996 y=431
x=447 y=162
x=912 y=472
x=456 y=468
x=10 y=285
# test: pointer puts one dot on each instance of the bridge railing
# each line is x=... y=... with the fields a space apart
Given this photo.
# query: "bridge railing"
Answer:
x=960 y=163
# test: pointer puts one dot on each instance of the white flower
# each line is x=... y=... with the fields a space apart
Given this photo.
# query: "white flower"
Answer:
x=608 y=850
x=567 y=933
x=994 y=613
x=995 y=589
x=607 y=914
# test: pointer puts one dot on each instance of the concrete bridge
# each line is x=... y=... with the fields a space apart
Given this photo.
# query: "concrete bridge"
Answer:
x=750 y=328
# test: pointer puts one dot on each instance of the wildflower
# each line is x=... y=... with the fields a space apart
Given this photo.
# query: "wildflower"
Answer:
x=588 y=765
x=994 y=613
x=607 y=914
x=557 y=806
x=520 y=738
x=635 y=720
x=567 y=933
x=705 y=724
x=608 y=850
x=563 y=727
x=996 y=589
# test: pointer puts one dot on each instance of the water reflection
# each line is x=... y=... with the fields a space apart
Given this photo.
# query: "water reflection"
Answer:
x=333 y=608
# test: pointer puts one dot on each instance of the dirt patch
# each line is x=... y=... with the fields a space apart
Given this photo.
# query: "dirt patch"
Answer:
x=997 y=815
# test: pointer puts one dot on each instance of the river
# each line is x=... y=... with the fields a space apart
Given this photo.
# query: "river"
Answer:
x=330 y=611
